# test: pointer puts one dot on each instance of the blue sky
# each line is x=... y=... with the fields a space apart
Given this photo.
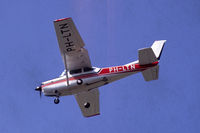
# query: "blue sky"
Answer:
x=113 y=31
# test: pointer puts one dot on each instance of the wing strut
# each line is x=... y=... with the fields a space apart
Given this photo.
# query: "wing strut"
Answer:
x=66 y=69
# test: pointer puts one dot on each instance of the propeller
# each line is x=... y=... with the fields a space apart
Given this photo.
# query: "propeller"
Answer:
x=39 y=88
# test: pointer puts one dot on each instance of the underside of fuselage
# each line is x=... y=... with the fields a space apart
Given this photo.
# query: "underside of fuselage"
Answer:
x=86 y=84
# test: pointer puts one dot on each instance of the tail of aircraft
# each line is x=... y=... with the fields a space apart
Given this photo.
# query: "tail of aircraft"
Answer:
x=150 y=55
x=157 y=48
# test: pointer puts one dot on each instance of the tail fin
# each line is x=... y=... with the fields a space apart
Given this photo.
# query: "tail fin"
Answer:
x=157 y=48
x=150 y=55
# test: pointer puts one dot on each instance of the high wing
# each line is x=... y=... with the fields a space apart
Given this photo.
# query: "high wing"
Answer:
x=89 y=102
x=71 y=45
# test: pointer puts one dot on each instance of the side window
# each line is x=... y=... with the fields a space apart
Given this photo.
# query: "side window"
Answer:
x=75 y=71
x=87 y=69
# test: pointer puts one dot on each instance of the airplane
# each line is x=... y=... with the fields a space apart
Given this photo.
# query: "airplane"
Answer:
x=82 y=80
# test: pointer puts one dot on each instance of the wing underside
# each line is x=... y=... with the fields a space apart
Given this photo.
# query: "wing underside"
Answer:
x=71 y=45
x=88 y=102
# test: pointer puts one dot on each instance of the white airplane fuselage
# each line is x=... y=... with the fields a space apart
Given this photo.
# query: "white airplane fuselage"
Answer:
x=87 y=81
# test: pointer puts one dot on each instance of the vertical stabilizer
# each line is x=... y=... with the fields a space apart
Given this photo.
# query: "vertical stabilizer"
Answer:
x=157 y=48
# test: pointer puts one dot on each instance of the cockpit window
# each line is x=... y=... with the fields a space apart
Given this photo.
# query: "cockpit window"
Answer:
x=75 y=71
x=86 y=69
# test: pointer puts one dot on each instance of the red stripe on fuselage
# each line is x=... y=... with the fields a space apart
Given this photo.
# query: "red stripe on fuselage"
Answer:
x=126 y=68
x=106 y=71
x=72 y=78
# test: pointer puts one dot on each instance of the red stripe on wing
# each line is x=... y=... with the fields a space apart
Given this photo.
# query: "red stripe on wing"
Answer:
x=61 y=19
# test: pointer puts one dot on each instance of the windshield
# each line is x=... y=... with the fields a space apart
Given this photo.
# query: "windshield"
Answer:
x=63 y=73
x=87 y=69
x=77 y=71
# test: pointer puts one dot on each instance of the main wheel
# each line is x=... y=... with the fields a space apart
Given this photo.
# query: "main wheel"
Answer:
x=56 y=101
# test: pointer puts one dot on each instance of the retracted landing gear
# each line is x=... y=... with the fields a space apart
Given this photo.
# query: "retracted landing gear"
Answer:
x=56 y=100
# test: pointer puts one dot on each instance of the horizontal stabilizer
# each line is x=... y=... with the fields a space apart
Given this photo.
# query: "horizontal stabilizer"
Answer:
x=146 y=56
x=151 y=73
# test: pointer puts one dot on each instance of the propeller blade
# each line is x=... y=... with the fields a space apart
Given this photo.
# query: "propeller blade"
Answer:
x=40 y=93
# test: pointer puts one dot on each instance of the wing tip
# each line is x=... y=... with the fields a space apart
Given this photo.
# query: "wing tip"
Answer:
x=92 y=115
x=61 y=19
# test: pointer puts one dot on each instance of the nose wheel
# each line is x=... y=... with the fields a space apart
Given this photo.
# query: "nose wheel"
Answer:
x=56 y=101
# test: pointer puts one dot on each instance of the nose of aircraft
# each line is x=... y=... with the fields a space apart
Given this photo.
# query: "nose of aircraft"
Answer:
x=39 y=88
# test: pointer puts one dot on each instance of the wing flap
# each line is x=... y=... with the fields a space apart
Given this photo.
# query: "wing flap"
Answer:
x=79 y=60
x=89 y=102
